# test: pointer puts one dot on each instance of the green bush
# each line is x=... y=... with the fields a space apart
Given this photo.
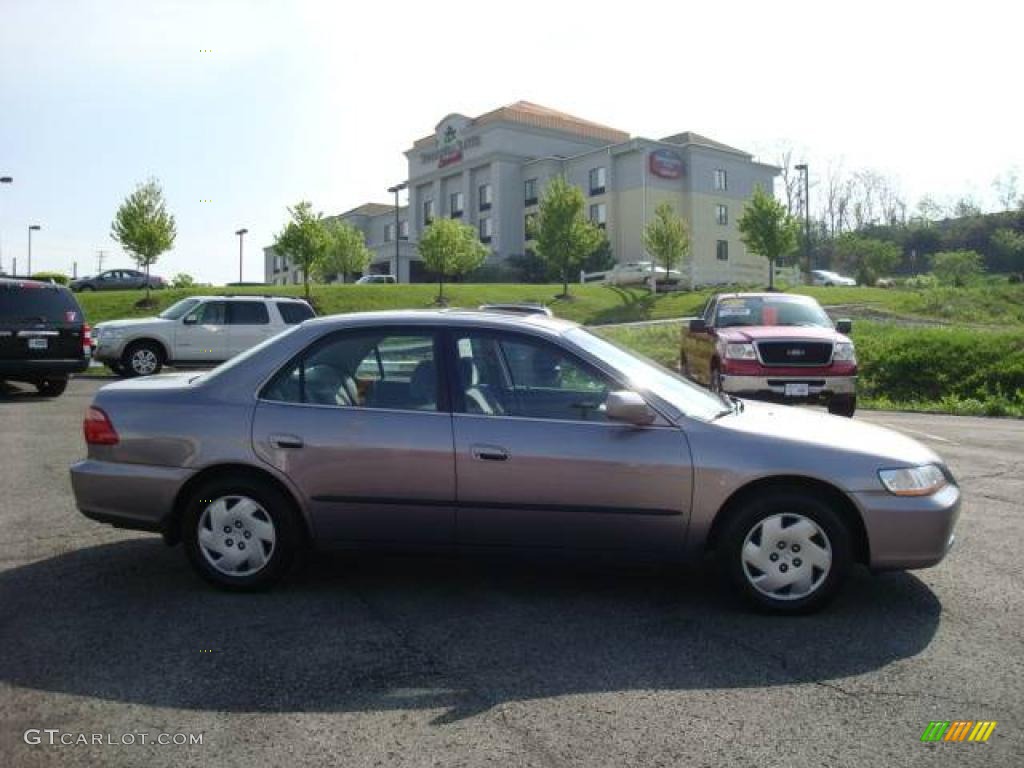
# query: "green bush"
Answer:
x=58 y=277
x=957 y=268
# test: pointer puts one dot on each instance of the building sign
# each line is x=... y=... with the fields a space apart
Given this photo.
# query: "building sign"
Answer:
x=449 y=147
x=665 y=163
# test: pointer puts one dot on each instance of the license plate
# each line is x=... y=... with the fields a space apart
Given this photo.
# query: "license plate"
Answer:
x=796 y=390
x=38 y=343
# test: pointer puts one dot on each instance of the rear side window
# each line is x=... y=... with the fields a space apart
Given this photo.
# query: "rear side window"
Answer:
x=248 y=313
x=37 y=302
x=294 y=312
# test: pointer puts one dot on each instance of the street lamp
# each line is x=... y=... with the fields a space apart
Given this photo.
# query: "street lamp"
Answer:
x=802 y=167
x=395 y=190
x=4 y=180
x=31 y=228
x=241 y=234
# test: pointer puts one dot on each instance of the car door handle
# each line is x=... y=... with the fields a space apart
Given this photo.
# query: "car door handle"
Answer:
x=489 y=452
x=286 y=441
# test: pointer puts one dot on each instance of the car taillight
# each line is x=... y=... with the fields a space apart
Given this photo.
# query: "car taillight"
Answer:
x=98 y=429
x=87 y=341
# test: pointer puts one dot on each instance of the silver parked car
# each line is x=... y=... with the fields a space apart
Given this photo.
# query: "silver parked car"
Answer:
x=474 y=430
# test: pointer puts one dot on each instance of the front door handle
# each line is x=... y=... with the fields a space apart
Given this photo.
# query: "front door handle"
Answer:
x=489 y=452
x=286 y=441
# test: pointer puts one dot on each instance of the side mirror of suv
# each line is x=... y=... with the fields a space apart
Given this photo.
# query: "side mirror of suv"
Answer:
x=698 y=326
x=628 y=407
x=191 y=319
x=844 y=325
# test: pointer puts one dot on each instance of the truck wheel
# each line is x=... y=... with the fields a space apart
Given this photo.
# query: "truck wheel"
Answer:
x=842 y=405
x=51 y=387
x=143 y=358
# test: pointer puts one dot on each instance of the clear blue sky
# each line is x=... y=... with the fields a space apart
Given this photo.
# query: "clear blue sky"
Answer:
x=318 y=100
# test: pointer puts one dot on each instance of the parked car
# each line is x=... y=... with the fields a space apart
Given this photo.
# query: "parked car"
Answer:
x=197 y=331
x=826 y=277
x=772 y=346
x=376 y=280
x=117 y=280
x=639 y=272
x=351 y=431
x=518 y=309
x=43 y=335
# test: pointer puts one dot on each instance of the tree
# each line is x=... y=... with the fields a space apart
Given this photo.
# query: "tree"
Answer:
x=143 y=227
x=767 y=230
x=1008 y=249
x=303 y=240
x=564 y=236
x=182 y=280
x=956 y=267
x=666 y=237
x=448 y=248
x=867 y=257
x=345 y=251
x=1005 y=186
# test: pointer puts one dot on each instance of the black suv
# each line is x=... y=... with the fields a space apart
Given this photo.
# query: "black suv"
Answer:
x=43 y=335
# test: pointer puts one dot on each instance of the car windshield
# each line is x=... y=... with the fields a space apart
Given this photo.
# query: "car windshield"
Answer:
x=649 y=376
x=178 y=309
x=770 y=310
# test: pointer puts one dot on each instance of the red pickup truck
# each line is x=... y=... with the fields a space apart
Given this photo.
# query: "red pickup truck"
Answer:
x=772 y=346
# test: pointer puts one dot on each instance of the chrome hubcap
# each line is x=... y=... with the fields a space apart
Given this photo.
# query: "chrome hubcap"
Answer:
x=236 y=535
x=143 y=361
x=786 y=556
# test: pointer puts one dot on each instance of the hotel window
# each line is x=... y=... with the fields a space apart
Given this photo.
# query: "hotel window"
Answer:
x=721 y=179
x=530 y=192
x=722 y=250
x=485 y=197
x=277 y=263
x=599 y=214
x=486 y=229
x=428 y=212
x=529 y=222
x=403 y=229
x=597 y=180
x=455 y=205
x=389 y=233
x=722 y=214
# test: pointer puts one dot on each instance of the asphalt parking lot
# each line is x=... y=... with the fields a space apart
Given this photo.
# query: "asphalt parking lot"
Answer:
x=442 y=662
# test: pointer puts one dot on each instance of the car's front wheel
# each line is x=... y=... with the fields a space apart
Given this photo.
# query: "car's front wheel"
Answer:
x=51 y=387
x=240 y=535
x=143 y=358
x=787 y=551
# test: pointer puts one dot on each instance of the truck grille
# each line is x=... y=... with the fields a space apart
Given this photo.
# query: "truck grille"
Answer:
x=795 y=353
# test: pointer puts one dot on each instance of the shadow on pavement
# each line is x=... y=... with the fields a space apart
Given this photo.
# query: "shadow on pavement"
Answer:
x=129 y=622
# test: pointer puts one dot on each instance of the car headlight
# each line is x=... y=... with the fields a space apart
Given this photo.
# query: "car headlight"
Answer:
x=740 y=352
x=844 y=352
x=913 y=481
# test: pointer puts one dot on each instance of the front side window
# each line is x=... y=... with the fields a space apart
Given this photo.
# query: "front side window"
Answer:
x=248 y=313
x=363 y=369
x=501 y=375
x=455 y=204
x=178 y=309
x=210 y=313
x=530 y=192
x=597 y=180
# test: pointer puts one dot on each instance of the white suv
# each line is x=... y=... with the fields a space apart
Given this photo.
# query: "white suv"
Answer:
x=197 y=331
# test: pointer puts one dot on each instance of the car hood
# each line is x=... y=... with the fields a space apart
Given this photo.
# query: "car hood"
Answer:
x=132 y=323
x=739 y=334
x=815 y=429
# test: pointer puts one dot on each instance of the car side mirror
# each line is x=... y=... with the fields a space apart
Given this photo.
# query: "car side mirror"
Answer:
x=190 y=319
x=698 y=326
x=628 y=407
x=844 y=325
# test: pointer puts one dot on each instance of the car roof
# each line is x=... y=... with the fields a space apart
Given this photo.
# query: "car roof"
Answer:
x=449 y=317
x=21 y=280
x=247 y=297
x=765 y=295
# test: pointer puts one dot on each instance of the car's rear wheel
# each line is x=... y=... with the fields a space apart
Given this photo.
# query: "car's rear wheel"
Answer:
x=843 y=405
x=51 y=387
x=240 y=535
x=143 y=358
x=786 y=551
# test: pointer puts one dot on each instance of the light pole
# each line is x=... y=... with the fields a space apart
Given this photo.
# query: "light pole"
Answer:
x=241 y=235
x=802 y=167
x=395 y=190
x=4 y=180
x=31 y=228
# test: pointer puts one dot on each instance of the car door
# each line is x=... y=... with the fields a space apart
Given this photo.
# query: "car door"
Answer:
x=248 y=325
x=106 y=281
x=361 y=425
x=202 y=334
x=539 y=465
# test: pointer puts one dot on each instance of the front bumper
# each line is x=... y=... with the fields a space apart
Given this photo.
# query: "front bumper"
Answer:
x=136 y=496
x=817 y=386
x=909 y=531
x=109 y=350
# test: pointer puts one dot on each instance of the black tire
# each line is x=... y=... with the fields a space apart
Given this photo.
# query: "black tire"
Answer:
x=843 y=405
x=52 y=387
x=132 y=359
x=279 y=510
x=791 y=504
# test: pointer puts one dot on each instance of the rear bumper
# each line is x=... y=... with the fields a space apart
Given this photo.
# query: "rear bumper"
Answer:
x=31 y=369
x=906 y=531
x=136 y=496
x=817 y=386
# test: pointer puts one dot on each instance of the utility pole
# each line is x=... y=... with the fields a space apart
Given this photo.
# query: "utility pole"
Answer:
x=74 y=270
x=32 y=228
x=100 y=256
x=802 y=167
x=398 y=225
x=241 y=234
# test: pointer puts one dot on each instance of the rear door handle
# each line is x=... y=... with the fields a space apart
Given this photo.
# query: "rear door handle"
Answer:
x=286 y=441
x=489 y=452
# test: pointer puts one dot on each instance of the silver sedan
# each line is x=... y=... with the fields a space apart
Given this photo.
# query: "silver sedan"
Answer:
x=467 y=430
